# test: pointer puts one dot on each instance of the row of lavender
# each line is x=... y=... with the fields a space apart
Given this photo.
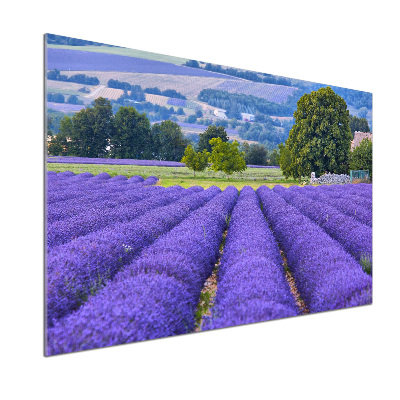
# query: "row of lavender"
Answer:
x=327 y=276
x=126 y=161
x=112 y=161
x=251 y=282
x=157 y=293
x=139 y=276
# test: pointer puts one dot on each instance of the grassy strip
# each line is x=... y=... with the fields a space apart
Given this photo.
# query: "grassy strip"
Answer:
x=182 y=176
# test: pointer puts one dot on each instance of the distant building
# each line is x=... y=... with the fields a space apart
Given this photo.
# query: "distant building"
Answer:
x=359 y=137
x=247 y=117
x=220 y=113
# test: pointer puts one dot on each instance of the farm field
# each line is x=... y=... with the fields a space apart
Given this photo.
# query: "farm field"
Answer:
x=189 y=86
x=130 y=260
x=67 y=87
x=123 y=51
x=274 y=93
x=65 y=107
x=76 y=60
x=106 y=92
x=170 y=176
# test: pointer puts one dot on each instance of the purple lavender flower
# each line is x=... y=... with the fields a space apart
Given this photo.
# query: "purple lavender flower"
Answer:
x=251 y=281
x=326 y=276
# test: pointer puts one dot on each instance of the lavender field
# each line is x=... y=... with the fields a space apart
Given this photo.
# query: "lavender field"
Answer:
x=128 y=260
x=112 y=161
x=275 y=93
x=77 y=60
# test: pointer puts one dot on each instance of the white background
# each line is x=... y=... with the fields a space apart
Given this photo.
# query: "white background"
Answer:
x=346 y=354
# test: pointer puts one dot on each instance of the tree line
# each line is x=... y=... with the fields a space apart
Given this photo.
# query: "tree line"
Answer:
x=55 y=75
x=237 y=103
x=96 y=132
x=59 y=98
x=139 y=92
x=249 y=75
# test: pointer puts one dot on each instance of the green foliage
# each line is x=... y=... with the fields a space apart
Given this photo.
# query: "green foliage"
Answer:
x=361 y=157
x=320 y=139
x=132 y=137
x=89 y=130
x=363 y=112
x=366 y=263
x=180 y=111
x=191 y=119
x=358 y=124
x=55 y=98
x=226 y=157
x=196 y=161
x=236 y=103
x=285 y=160
x=199 y=113
x=192 y=64
x=74 y=100
x=255 y=154
x=169 y=141
x=273 y=157
x=55 y=75
x=59 y=144
x=168 y=93
x=210 y=133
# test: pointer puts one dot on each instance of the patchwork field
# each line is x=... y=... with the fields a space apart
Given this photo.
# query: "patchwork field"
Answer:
x=189 y=86
x=274 y=93
x=106 y=92
x=76 y=60
x=128 y=260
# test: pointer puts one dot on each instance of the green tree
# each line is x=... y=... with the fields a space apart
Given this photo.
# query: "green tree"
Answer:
x=285 y=160
x=256 y=155
x=363 y=112
x=361 y=157
x=273 y=158
x=226 y=157
x=132 y=136
x=91 y=130
x=170 y=143
x=320 y=139
x=210 y=133
x=74 y=100
x=358 y=124
x=197 y=161
x=192 y=119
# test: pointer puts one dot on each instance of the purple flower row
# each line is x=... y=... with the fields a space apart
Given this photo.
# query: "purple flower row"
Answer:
x=326 y=276
x=112 y=161
x=251 y=280
x=361 y=189
x=352 y=206
x=156 y=295
x=360 y=197
x=77 y=60
x=65 y=188
x=92 y=220
x=80 y=268
x=89 y=197
x=354 y=236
